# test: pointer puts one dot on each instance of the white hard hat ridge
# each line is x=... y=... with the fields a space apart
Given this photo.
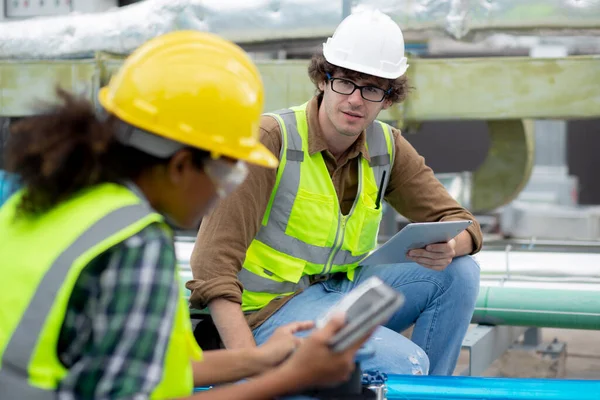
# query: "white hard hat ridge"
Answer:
x=370 y=42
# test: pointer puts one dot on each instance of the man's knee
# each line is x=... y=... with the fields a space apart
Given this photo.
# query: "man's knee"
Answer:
x=412 y=361
x=466 y=268
x=465 y=272
x=395 y=354
x=419 y=362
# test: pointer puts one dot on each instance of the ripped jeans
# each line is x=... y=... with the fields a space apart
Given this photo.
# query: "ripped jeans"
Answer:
x=439 y=303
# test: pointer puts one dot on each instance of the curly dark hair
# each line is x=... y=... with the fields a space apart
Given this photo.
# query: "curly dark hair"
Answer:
x=319 y=67
x=68 y=148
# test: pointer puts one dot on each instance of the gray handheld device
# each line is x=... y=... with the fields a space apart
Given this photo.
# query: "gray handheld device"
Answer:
x=368 y=305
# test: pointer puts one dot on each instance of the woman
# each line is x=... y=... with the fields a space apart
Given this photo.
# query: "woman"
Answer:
x=90 y=272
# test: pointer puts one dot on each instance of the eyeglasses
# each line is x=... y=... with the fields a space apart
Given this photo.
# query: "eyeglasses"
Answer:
x=346 y=87
x=225 y=175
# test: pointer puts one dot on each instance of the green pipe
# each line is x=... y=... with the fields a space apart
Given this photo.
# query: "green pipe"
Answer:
x=551 y=308
x=546 y=308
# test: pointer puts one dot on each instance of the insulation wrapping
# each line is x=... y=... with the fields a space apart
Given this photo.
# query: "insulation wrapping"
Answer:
x=249 y=21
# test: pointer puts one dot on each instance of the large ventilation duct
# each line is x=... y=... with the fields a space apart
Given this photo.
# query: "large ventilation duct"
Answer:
x=255 y=21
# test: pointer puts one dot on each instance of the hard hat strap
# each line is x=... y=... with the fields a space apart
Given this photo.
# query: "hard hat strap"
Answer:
x=145 y=141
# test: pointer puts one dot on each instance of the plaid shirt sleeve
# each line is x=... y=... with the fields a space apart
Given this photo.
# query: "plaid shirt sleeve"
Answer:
x=119 y=320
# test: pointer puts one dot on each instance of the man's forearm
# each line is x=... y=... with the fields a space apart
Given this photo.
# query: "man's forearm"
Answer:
x=464 y=244
x=231 y=324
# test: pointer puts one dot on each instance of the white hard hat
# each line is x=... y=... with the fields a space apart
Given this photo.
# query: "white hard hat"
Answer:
x=369 y=42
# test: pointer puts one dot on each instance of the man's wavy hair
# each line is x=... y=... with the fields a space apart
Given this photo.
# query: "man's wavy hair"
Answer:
x=319 y=67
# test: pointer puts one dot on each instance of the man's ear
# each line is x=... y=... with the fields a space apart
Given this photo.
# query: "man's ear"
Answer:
x=387 y=103
x=321 y=86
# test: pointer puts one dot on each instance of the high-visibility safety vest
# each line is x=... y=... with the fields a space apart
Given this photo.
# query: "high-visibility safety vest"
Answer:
x=43 y=257
x=303 y=232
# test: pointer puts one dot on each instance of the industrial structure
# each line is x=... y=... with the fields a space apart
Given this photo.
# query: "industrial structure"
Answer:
x=521 y=67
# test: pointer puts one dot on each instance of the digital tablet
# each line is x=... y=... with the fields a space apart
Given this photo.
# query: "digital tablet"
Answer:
x=414 y=236
x=367 y=306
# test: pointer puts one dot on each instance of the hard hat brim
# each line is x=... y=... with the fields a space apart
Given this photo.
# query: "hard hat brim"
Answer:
x=259 y=155
x=401 y=70
x=256 y=154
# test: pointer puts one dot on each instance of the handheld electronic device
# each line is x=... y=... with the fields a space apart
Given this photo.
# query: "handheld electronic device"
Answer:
x=368 y=305
x=414 y=236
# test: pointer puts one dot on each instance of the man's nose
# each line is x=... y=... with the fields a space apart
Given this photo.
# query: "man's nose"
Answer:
x=355 y=98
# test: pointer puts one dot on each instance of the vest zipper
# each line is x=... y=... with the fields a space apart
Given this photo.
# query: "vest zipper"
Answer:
x=339 y=240
x=341 y=228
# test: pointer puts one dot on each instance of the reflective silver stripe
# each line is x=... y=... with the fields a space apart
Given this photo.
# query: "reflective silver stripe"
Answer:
x=17 y=387
x=295 y=155
x=257 y=283
x=378 y=152
x=277 y=239
x=273 y=233
x=289 y=182
x=19 y=351
x=377 y=161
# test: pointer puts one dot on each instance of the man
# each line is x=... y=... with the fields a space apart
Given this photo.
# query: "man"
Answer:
x=293 y=238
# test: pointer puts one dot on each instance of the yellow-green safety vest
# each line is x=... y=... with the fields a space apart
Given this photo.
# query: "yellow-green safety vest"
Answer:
x=43 y=257
x=303 y=232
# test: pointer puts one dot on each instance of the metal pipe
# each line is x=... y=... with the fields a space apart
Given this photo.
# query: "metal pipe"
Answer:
x=541 y=264
x=546 y=279
x=542 y=284
x=544 y=245
x=415 y=387
x=523 y=306
x=519 y=301
x=573 y=309
x=408 y=387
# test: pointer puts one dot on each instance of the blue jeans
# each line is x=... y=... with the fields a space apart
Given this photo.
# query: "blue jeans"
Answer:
x=439 y=303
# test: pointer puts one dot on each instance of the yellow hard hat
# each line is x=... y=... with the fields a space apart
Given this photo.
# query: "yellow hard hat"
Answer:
x=194 y=88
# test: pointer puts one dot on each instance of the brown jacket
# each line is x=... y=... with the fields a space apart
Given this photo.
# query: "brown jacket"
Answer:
x=226 y=233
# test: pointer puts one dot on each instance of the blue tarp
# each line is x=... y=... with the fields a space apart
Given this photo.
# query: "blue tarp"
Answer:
x=9 y=184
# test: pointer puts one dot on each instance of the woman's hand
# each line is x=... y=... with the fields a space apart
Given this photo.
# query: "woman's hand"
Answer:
x=315 y=364
x=282 y=343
